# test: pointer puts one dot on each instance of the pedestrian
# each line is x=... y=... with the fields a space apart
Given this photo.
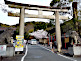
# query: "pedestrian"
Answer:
x=52 y=46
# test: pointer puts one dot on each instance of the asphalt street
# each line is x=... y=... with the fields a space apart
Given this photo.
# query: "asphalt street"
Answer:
x=38 y=53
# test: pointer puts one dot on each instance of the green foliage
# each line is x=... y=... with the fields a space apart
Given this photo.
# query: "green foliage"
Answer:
x=40 y=25
x=70 y=0
x=17 y=31
x=53 y=2
x=65 y=27
x=26 y=35
x=4 y=25
x=56 y=1
x=75 y=20
x=72 y=25
x=31 y=30
x=49 y=24
x=36 y=25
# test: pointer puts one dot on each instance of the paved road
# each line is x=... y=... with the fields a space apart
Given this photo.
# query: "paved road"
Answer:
x=37 y=53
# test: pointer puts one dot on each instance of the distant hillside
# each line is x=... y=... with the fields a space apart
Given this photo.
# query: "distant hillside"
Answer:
x=34 y=26
x=4 y=25
x=28 y=28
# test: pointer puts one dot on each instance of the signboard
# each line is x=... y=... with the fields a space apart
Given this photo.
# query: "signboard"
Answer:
x=2 y=50
x=66 y=40
x=19 y=43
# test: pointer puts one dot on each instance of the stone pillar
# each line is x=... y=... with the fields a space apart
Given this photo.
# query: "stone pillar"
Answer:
x=21 y=21
x=58 y=32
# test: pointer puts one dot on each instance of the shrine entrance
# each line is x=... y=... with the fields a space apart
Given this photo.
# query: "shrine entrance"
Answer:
x=40 y=9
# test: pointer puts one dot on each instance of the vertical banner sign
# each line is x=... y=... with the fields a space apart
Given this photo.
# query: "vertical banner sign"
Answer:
x=19 y=43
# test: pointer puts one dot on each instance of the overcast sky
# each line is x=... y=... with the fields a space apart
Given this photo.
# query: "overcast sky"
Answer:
x=4 y=18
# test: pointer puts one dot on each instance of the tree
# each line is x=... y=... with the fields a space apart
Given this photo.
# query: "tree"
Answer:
x=70 y=0
x=56 y=1
x=50 y=24
x=39 y=26
x=67 y=26
x=53 y=2
x=31 y=30
x=26 y=35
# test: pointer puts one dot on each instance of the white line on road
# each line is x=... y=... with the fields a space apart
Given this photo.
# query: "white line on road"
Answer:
x=67 y=57
x=22 y=59
x=46 y=48
x=58 y=54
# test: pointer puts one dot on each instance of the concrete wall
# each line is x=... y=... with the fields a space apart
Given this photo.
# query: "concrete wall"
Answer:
x=10 y=51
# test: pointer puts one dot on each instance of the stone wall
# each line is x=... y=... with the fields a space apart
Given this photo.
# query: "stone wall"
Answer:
x=5 y=37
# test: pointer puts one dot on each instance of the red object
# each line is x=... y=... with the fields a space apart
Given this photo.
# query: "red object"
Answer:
x=64 y=35
x=65 y=45
x=54 y=38
x=1 y=48
x=48 y=40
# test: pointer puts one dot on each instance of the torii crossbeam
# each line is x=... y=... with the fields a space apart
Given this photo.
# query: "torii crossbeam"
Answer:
x=22 y=15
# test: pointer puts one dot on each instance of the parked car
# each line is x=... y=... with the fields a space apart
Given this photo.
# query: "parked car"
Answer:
x=33 y=41
x=29 y=42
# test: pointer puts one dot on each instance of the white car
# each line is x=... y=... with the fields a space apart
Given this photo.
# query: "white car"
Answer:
x=33 y=41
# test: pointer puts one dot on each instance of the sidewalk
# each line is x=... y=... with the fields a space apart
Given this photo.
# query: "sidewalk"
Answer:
x=14 y=58
x=17 y=57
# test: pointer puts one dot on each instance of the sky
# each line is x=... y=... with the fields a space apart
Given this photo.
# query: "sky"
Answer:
x=5 y=19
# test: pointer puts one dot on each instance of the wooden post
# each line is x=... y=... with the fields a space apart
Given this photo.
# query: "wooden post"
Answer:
x=58 y=32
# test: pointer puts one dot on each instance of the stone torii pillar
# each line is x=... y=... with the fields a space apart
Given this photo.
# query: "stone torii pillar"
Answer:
x=21 y=21
x=58 y=31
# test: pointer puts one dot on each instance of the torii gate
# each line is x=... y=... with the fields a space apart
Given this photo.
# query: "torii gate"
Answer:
x=22 y=15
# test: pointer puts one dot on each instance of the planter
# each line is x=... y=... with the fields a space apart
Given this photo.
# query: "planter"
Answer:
x=77 y=49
